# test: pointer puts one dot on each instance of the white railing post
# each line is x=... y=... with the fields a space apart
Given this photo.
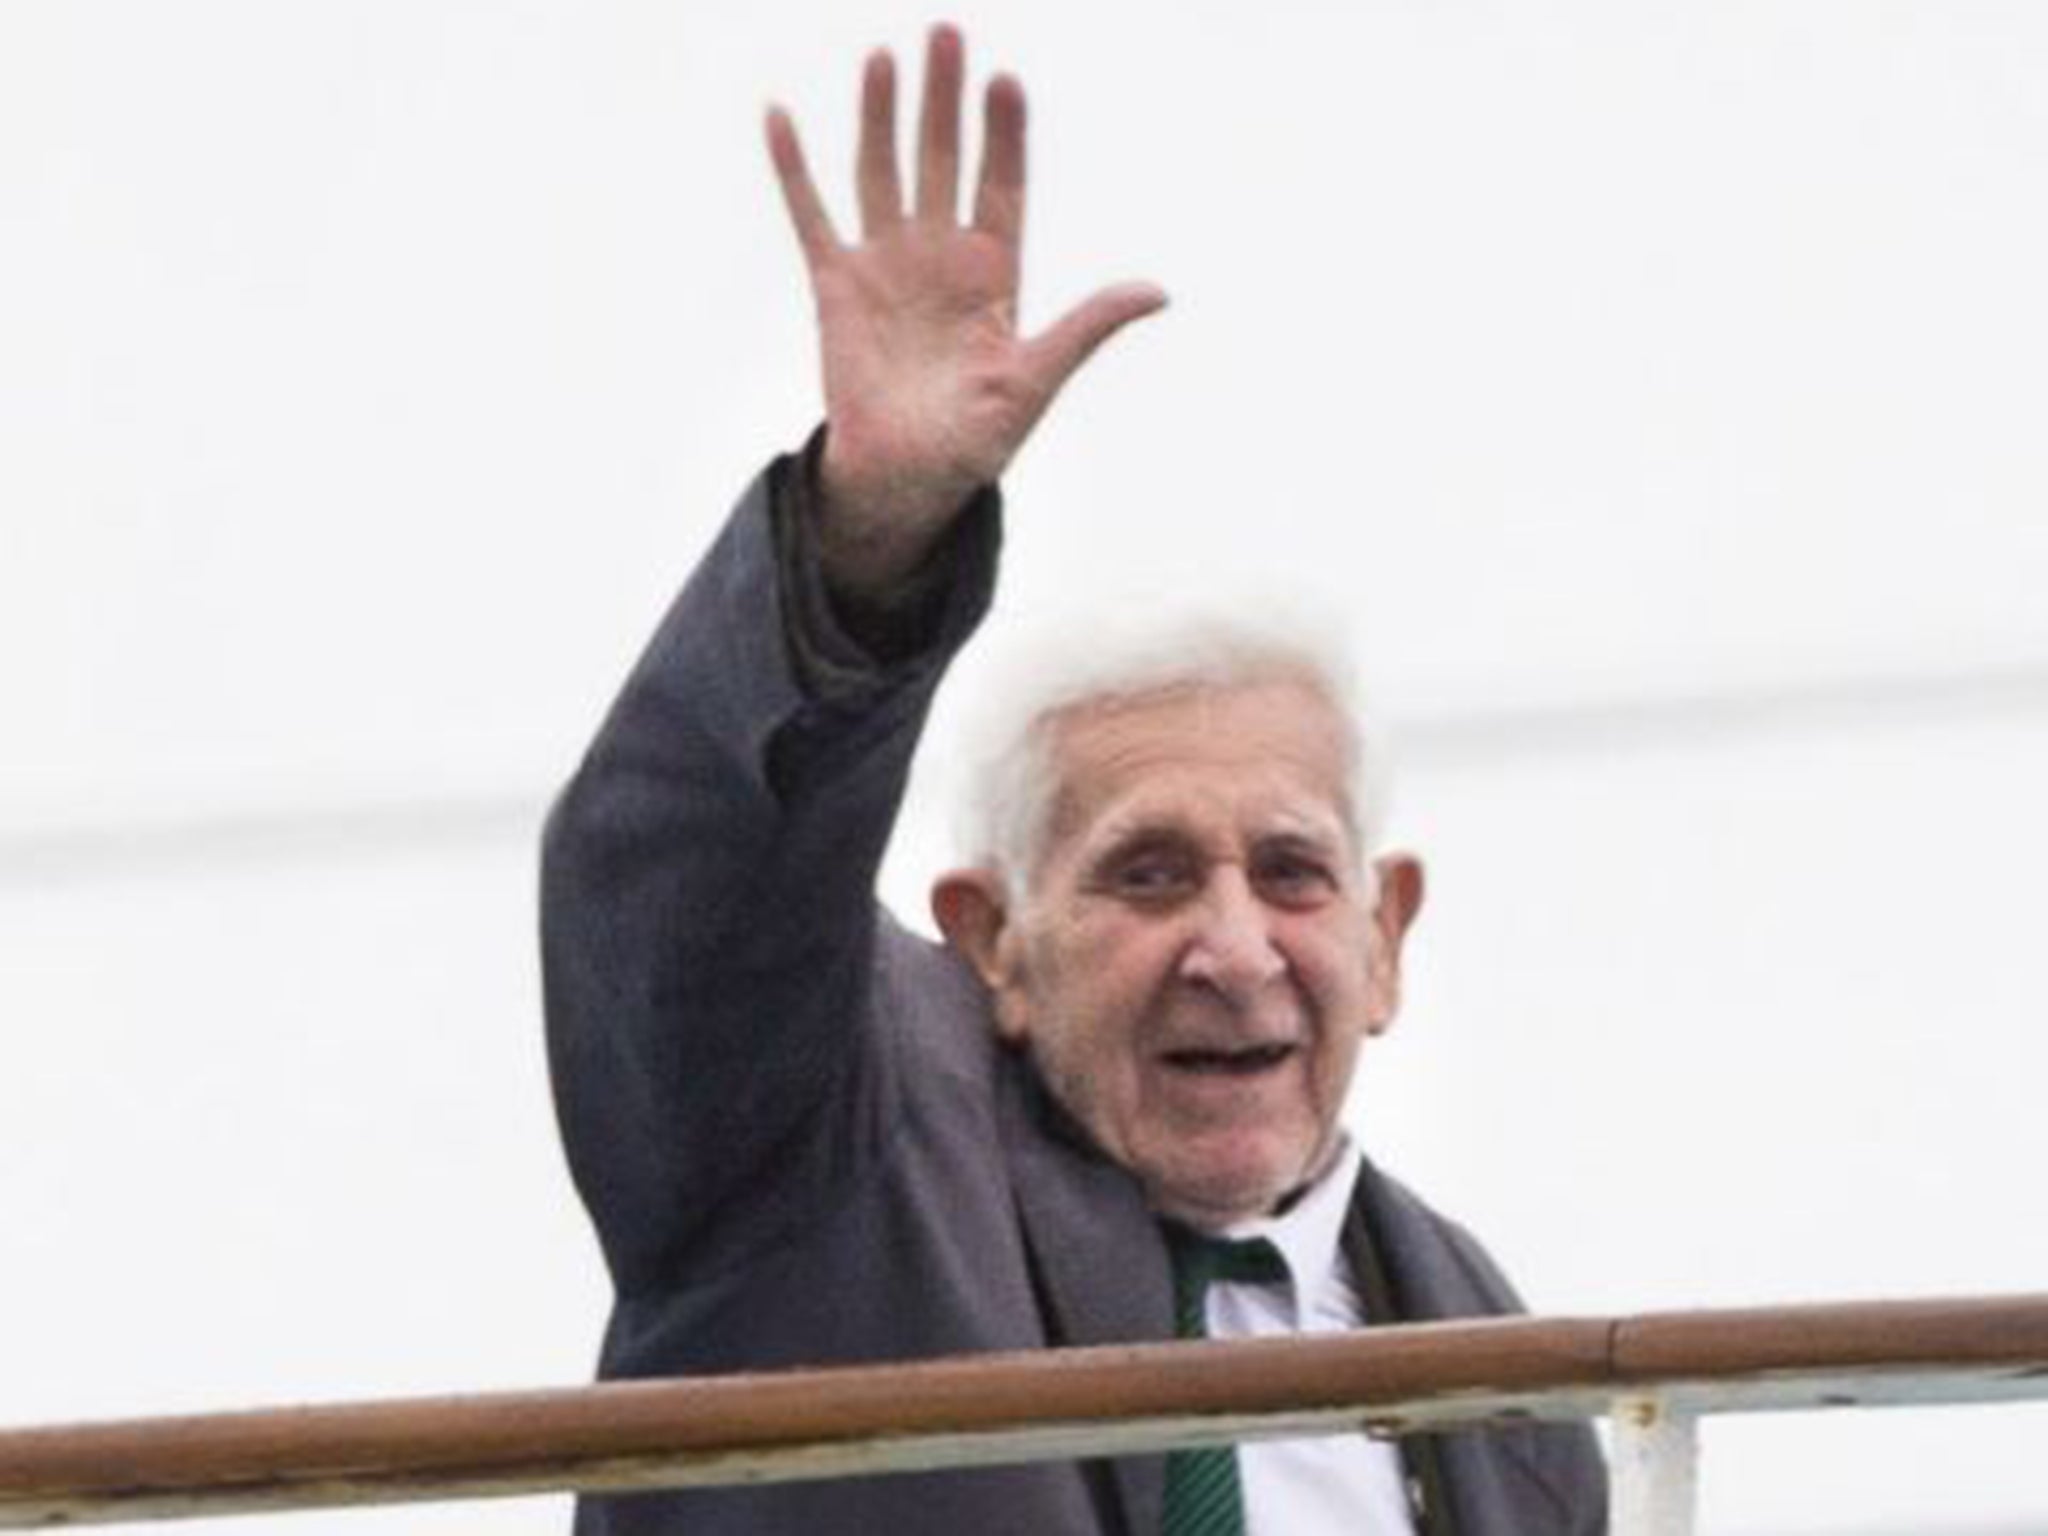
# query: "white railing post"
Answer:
x=1655 y=1467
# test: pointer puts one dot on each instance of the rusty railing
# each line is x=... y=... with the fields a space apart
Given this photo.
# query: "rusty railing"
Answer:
x=1652 y=1375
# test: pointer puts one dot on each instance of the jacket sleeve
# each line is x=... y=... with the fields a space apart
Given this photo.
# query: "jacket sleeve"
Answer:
x=707 y=908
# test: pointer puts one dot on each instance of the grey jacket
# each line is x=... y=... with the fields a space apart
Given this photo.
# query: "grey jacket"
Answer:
x=792 y=1123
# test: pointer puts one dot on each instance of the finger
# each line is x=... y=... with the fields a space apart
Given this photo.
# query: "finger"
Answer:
x=881 y=191
x=799 y=195
x=807 y=213
x=1070 y=341
x=999 y=198
x=938 y=129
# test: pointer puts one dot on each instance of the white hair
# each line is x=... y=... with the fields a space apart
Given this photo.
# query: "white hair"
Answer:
x=1014 y=769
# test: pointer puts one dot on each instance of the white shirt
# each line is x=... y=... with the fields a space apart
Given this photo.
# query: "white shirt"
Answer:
x=1333 y=1483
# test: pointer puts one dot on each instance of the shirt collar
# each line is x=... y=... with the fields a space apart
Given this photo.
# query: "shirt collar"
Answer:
x=1309 y=1231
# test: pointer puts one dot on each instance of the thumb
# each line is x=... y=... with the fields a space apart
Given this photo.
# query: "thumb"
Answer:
x=1071 y=340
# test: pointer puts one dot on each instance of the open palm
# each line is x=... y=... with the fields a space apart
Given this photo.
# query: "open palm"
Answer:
x=929 y=387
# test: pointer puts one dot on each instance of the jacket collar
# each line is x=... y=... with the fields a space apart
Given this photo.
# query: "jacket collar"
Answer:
x=1098 y=1263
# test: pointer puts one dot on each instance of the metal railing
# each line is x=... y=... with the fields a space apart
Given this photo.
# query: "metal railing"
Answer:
x=1653 y=1375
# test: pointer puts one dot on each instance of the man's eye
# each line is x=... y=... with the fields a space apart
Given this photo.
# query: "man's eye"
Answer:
x=1296 y=877
x=1151 y=877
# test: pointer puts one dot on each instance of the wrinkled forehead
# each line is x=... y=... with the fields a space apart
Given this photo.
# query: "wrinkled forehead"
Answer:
x=1277 y=750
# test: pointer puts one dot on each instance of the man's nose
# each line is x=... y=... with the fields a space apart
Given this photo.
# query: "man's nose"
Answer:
x=1232 y=947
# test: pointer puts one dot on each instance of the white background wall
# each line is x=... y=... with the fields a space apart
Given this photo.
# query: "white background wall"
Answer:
x=1655 y=389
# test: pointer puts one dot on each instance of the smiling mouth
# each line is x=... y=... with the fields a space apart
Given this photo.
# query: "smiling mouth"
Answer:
x=1245 y=1061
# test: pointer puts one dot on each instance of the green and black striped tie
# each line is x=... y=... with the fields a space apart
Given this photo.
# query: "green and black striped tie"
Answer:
x=1203 y=1496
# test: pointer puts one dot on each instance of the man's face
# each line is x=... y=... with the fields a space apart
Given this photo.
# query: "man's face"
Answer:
x=1199 y=959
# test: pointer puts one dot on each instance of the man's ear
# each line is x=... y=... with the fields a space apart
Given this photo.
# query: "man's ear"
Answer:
x=971 y=907
x=1401 y=888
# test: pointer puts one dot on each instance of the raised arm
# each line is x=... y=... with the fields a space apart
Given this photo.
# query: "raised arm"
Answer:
x=708 y=912
x=930 y=388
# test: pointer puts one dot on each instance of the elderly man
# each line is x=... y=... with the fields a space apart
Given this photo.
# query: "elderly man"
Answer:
x=807 y=1136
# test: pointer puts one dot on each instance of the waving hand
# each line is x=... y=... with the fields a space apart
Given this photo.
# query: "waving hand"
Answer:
x=929 y=387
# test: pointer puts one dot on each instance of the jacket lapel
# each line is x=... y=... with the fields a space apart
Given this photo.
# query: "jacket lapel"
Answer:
x=1431 y=1280
x=1426 y=1278
x=1097 y=1260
